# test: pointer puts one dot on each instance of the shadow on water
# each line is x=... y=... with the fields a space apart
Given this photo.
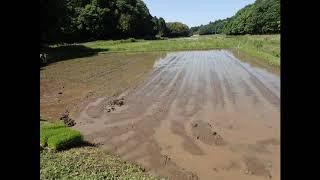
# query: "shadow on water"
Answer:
x=68 y=52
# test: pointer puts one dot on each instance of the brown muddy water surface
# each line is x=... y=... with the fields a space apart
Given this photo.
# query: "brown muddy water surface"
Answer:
x=198 y=115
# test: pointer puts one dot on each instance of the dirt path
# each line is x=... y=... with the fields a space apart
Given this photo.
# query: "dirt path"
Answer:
x=199 y=115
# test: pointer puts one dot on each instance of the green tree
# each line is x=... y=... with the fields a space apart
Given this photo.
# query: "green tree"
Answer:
x=82 y=20
x=162 y=26
x=261 y=17
x=51 y=19
x=91 y=20
x=195 y=29
x=177 y=29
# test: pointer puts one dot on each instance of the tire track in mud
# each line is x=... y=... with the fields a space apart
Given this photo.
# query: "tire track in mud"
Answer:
x=264 y=90
x=160 y=77
x=218 y=95
x=229 y=87
x=249 y=92
x=182 y=110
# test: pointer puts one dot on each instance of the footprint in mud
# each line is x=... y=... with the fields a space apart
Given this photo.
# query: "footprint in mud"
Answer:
x=254 y=166
x=188 y=144
x=231 y=166
x=259 y=148
x=262 y=146
x=176 y=173
x=165 y=159
x=185 y=176
x=203 y=131
x=272 y=141
x=94 y=112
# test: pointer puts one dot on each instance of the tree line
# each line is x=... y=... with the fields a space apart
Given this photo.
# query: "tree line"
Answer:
x=85 y=20
x=261 y=17
x=215 y=27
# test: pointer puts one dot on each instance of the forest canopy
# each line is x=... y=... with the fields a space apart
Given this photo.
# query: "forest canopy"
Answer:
x=86 y=20
x=83 y=20
x=176 y=29
x=261 y=17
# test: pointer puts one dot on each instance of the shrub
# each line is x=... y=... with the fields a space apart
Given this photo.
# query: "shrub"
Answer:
x=127 y=40
x=132 y=40
x=149 y=37
x=177 y=29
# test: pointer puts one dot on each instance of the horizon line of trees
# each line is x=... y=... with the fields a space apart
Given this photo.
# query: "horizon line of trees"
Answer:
x=261 y=17
x=85 y=20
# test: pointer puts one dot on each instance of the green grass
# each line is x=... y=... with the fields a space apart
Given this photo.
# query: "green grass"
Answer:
x=58 y=137
x=263 y=47
x=87 y=163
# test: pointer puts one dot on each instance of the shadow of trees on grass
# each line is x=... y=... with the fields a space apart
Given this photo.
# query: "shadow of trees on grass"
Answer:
x=68 y=52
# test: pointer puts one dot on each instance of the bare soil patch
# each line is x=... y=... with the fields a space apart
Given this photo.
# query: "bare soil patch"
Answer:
x=71 y=84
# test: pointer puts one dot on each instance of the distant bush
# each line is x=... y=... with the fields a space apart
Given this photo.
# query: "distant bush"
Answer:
x=212 y=28
x=177 y=29
x=148 y=37
x=58 y=137
x=163 y=38
x=127 y=40
x=132 y=40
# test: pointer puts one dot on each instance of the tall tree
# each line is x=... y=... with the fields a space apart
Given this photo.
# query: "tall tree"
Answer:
x=83 y=20
x=177 y=29
x=259 y=18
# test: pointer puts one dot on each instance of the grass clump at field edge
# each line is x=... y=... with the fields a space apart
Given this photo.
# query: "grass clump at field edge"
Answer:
x=58 y=137
x=263 y=47
x=85 y=162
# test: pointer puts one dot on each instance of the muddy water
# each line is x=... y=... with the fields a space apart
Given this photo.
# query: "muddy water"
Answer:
x=198 y=115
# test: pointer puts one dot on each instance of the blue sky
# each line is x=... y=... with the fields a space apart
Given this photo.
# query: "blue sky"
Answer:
x=195 y=12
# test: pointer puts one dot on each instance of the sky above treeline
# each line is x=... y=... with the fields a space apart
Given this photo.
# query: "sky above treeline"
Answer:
x=195 y=12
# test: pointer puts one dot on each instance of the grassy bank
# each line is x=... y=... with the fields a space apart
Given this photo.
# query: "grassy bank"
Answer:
x=263 y=47
x=87 y=163
x=81 y=161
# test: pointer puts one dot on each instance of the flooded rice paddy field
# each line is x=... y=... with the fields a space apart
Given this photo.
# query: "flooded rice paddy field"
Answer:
x=197 y=115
